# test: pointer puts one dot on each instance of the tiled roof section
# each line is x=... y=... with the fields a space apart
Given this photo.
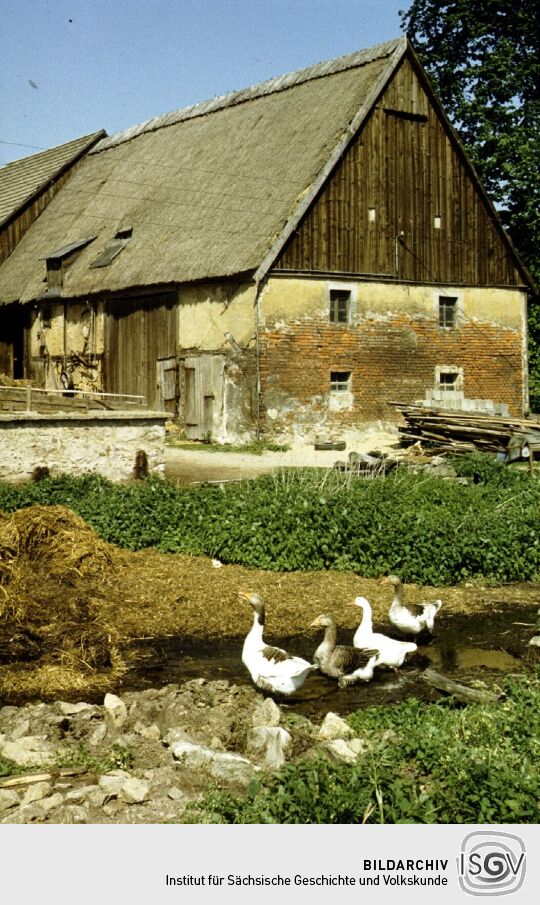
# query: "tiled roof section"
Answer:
x=271 y=86
x=22 y=179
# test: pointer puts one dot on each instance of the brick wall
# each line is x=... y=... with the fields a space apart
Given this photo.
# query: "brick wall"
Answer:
x=391 y=358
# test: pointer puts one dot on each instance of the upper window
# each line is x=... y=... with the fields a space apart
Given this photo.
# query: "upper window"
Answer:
x=340 y=306
x=448 y=311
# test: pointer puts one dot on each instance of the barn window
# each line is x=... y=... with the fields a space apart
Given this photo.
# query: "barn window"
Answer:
x=340 y=381
x=340 y=306
x=448 y=311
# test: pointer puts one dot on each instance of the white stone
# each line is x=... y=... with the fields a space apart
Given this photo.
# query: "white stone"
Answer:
x=134 y=791
x=535 y=641
x=222 y=765
x=268 y=744
x=175 y=794
x=8 y=799
x=28 y=751
x=36 y=792
x=152 y=733
x=97 y=736
x=116 y=710
x=112 y=782
x=266 y=713
x=341 y=751
x=333 y=727
x=71 y=709
x=21 y=729
x=50 y=803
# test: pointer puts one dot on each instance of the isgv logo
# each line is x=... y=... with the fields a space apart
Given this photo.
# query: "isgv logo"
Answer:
x=491 y=864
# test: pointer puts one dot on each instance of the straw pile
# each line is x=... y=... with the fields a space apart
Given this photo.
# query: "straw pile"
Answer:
x=53 y=608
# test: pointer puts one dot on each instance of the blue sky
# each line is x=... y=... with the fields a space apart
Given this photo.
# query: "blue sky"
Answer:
x=71 y=67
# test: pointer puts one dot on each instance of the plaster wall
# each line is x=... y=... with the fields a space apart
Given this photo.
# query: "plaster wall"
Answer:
x=73 y=445
x=208 y=313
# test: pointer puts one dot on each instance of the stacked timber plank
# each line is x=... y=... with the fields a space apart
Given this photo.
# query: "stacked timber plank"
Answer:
x=463 y=432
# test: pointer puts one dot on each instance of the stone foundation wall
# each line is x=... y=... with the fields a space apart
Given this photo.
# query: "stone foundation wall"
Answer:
x=106 y=443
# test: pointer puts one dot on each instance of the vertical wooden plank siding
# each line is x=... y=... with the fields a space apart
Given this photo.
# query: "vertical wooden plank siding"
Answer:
x=138 y=332
x=405 y=165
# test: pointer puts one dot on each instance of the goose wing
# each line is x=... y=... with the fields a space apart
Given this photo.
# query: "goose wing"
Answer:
x=280 y=663
x=347 y=659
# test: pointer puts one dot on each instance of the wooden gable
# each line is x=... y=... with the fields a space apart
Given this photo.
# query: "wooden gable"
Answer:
x=404 y=203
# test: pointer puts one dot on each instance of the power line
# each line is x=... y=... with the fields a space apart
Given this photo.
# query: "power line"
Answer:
x=18 y=144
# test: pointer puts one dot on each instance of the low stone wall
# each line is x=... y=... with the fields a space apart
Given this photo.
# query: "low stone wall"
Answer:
x=108 y=443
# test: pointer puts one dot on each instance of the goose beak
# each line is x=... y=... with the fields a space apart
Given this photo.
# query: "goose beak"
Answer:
x=315 y=623
x=385 y=580
x=351 y=603
x=244 y=595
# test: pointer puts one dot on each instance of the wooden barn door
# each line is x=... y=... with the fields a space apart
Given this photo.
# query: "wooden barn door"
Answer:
x=140 y=344
x=203 y=395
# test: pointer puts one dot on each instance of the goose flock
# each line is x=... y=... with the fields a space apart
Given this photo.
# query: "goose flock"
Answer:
x=274 y=670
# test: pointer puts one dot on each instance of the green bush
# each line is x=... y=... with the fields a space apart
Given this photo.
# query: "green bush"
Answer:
x=427 y=530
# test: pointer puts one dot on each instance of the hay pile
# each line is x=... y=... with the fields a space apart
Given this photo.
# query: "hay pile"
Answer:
x=54 y=609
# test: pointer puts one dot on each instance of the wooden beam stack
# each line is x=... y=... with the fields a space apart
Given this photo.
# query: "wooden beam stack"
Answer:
x=462 y=432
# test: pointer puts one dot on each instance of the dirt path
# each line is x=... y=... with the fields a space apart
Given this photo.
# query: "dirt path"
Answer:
x=202 y=463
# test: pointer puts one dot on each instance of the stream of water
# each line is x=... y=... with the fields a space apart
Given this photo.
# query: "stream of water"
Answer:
x=465 y=648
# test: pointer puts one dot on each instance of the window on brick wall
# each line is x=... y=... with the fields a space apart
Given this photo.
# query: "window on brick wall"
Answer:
x=340 y=381
x=449 y=380
x=340 y=306
x=448 y=311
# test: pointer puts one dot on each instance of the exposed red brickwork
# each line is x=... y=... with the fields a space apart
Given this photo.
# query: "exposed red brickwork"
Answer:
x=391 y=360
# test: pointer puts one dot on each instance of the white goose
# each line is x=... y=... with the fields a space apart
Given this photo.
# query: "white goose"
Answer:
x=410 y=618
x=271 y=668
x=391 y=652
x=341 y=661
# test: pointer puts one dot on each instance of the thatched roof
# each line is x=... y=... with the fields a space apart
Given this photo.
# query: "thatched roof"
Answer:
x=21 y=179
x=207 y=190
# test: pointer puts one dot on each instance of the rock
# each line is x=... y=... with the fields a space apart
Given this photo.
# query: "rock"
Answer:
x=112 y=782
x=357 y=745
x=28 y=752
x=116 y=710
x=222 y=765
x=96 y=798
x=21 y=729
x=152 y=732
x=8 y=799
x=341 y=751
x=71 y=709
x=175 y=794
x=229 y=767
x=73 y=814
x=36 y=792
x=266 y=713
x=535 y=641
x=97 y=736
x=75 y=796
x=134 y=791
x=333 y=727
x=50 y=803
x=268 y=744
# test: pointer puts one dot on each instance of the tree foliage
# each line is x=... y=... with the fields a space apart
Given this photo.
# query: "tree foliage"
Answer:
x=483 y=57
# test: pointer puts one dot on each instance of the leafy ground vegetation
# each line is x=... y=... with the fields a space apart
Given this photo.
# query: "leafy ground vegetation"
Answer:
x=424 y=763
x=428 y=530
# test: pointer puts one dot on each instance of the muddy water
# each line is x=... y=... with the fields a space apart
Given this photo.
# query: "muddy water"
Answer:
x=465 y=648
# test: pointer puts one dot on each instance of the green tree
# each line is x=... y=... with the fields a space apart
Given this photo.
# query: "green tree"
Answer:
x=483 y=57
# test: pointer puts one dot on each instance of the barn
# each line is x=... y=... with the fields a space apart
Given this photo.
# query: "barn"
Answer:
x=286 y=260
